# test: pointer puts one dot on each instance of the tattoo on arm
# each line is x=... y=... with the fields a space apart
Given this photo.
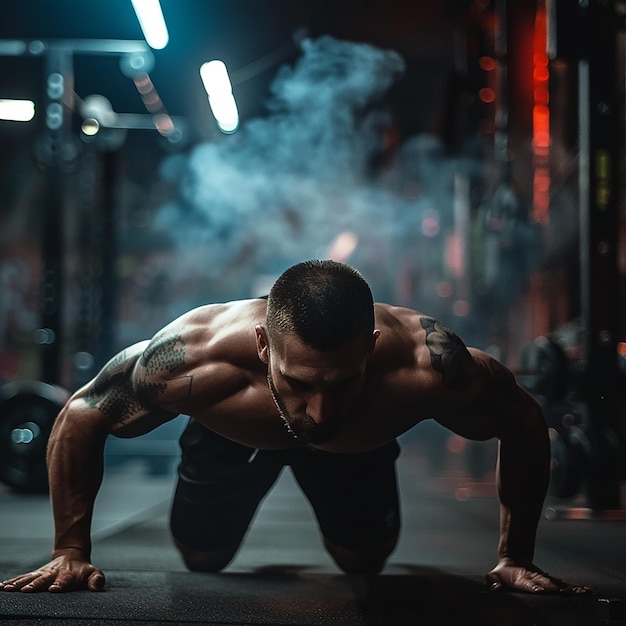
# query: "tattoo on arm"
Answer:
x=161 y=359
x=114 y=393
x=448 y=354
x=119 y=402
x=164 y=355
x=111 y=391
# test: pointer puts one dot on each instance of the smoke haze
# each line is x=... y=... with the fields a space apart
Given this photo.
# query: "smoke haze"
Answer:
x=284 y=186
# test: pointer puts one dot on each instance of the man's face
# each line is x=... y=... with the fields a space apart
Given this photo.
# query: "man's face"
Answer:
x=314 y=389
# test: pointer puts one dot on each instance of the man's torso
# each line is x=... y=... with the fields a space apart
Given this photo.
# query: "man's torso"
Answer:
x=205 y=364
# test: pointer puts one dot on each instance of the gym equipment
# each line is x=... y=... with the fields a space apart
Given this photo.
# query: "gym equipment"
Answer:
x=545 y=369
x=27 y=412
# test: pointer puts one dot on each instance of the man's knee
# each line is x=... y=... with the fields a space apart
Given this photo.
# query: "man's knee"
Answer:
x=368 y=560
x=210 y=561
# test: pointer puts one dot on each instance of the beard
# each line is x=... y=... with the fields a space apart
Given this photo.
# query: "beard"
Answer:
x=304 y=429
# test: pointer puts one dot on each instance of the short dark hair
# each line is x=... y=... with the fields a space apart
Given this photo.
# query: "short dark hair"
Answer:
x=325 y=303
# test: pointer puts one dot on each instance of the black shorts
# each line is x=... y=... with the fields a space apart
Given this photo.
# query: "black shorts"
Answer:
x=221 y=483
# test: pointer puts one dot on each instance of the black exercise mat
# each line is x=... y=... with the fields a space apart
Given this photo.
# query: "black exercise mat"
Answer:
x=283 y=596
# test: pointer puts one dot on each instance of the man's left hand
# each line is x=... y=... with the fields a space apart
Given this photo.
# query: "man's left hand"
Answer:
x=508 y=575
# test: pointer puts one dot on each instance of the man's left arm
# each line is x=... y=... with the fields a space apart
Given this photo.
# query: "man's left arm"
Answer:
x=523 y=475
x=485 y=401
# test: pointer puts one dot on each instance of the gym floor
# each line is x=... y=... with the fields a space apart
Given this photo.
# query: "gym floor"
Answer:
x=282 y=574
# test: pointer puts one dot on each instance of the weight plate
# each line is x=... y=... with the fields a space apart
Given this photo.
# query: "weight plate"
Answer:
x=27 y=412
x=546 y=369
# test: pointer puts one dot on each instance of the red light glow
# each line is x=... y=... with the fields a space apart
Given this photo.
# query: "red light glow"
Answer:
x=541 y=121
x=487 y=95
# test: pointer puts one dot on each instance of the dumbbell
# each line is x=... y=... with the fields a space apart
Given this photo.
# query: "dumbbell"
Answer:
x=27 y=412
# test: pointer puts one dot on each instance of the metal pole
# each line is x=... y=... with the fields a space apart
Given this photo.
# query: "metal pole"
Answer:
x=58 y=94
x=598 y=166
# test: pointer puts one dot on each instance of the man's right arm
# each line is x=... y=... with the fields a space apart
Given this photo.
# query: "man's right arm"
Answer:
x=108 y=404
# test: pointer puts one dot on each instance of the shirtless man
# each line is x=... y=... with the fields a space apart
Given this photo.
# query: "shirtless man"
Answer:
x=319 y=378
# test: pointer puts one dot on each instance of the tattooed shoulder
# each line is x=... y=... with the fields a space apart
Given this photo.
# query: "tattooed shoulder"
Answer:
x=118 y=367
x=448 y=354
x=111 y=391
x=164 y=355
x=160 y=361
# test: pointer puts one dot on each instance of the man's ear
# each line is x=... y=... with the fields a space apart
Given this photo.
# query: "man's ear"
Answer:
x=262 y=345
x=375 y=336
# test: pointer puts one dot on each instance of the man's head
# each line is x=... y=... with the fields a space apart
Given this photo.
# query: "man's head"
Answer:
x=318 y=337
x=324 y=303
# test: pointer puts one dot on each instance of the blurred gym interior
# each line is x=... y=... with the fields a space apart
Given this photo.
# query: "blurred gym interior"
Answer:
x=467 y=156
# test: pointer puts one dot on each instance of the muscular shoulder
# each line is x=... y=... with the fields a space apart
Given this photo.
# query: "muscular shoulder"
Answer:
x=201 y=351
x=432 y=373
x=448 y=355
x=111 y=391
x=431 y=354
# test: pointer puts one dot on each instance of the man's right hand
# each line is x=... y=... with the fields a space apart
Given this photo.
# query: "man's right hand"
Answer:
x=69 y=571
